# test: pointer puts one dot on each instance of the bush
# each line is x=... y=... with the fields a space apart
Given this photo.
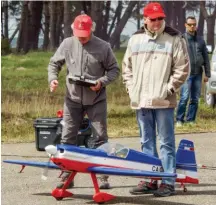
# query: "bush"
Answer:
x=5 y=46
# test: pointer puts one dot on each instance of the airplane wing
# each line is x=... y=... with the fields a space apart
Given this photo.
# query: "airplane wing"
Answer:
x=129 y=172
x=33 y=164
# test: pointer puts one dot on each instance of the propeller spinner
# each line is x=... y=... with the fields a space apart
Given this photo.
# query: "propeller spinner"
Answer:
x=51 y=149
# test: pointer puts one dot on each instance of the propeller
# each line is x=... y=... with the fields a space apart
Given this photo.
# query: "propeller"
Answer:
x=51 y=151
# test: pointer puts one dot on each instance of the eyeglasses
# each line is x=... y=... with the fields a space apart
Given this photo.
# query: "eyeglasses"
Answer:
x=159 y=19
x=191 y=24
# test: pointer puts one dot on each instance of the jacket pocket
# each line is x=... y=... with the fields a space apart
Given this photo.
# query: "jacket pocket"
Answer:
x=70 y=63
x=74 y=90
x=160 y=92
x=94 y=66
x=200 y=60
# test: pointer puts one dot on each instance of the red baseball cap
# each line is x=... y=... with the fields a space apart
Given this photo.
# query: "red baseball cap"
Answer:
x=82 y=26
x=153 y=10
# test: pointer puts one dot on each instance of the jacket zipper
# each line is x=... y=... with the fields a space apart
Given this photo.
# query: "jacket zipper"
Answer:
x=81 y=73
x=195 y=51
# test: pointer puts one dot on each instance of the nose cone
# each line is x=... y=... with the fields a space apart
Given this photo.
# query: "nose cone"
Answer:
x=51 y=149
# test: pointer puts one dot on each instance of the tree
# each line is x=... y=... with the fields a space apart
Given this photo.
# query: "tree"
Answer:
x=118 y=9
x=67 y=18
x=23 y=37
x=97 y=16
x=180 y=10
x=118 y=42
x=106 y=20
x=200 y=23
x=46 y=24
x=86 y=6
x=175 y=14
x=210 y=20
x=15 y=8
x=168 y=7
x=35 y=8
x=138 y=15
x=14 y=33
x=4 y=5
x=53 y=19
x=59 y=22
x=2 y=23
x=30 y=25
x=123 y=21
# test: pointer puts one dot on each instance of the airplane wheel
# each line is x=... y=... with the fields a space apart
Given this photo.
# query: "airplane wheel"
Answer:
x=185 y=189
x=59 y=198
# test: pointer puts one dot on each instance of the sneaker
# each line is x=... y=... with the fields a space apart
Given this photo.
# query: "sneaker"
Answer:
x=104 y=182
x=61 y=184
x=144 y=188
x=64 y=178
x=190 y=123
x=165 y=190
x=179 y=124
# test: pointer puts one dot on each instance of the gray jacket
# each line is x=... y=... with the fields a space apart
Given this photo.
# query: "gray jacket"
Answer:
x=93 y=60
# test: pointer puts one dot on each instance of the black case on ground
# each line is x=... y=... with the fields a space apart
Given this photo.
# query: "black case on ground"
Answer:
x=48 y=132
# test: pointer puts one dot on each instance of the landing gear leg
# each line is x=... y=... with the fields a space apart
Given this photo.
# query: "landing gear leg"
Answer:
x=184 y=187
x=59 y=194
x=100 y=197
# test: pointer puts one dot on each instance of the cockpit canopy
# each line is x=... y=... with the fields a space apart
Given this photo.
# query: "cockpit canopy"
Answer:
x=114 y=149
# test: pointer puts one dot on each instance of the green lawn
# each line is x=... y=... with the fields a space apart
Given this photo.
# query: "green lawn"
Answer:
x=26 y=96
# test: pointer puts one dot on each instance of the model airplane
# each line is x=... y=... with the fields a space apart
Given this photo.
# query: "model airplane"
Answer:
x=114 y=159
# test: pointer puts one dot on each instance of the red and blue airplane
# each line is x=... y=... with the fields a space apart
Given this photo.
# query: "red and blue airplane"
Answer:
x=114 y=159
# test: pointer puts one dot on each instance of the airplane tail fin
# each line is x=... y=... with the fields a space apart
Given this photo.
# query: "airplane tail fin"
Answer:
x=186 y=162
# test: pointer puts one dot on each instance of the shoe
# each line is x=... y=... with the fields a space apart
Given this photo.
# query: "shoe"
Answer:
x=104 y=182
x=61 y=184
x=179 y=124
x=190 y=123
x=64 y=178
x=165 y=190
x=144 y=188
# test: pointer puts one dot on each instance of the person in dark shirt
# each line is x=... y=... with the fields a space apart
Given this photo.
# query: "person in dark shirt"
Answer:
x=192 y=87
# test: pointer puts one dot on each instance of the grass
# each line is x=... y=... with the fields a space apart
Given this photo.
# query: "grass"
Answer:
x=26 y=96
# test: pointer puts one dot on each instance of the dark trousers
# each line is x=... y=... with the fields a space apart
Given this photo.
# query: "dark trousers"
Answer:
x=73 y=117
x=190 y=89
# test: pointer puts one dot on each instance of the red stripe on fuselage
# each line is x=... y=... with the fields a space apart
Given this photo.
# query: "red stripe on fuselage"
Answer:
x=68 y=164
x=189 y=180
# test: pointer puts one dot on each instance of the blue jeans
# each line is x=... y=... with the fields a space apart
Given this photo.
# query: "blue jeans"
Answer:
x=163 y=119
x=191 y=88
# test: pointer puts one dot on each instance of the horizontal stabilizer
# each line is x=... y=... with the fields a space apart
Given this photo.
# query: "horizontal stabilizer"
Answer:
x=33 y=164
x=181 y=176
x=129 y=172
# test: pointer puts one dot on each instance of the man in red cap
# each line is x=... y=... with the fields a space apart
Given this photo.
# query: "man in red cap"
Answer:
x=90 y=58
x=154 y=67
x=83 y=27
